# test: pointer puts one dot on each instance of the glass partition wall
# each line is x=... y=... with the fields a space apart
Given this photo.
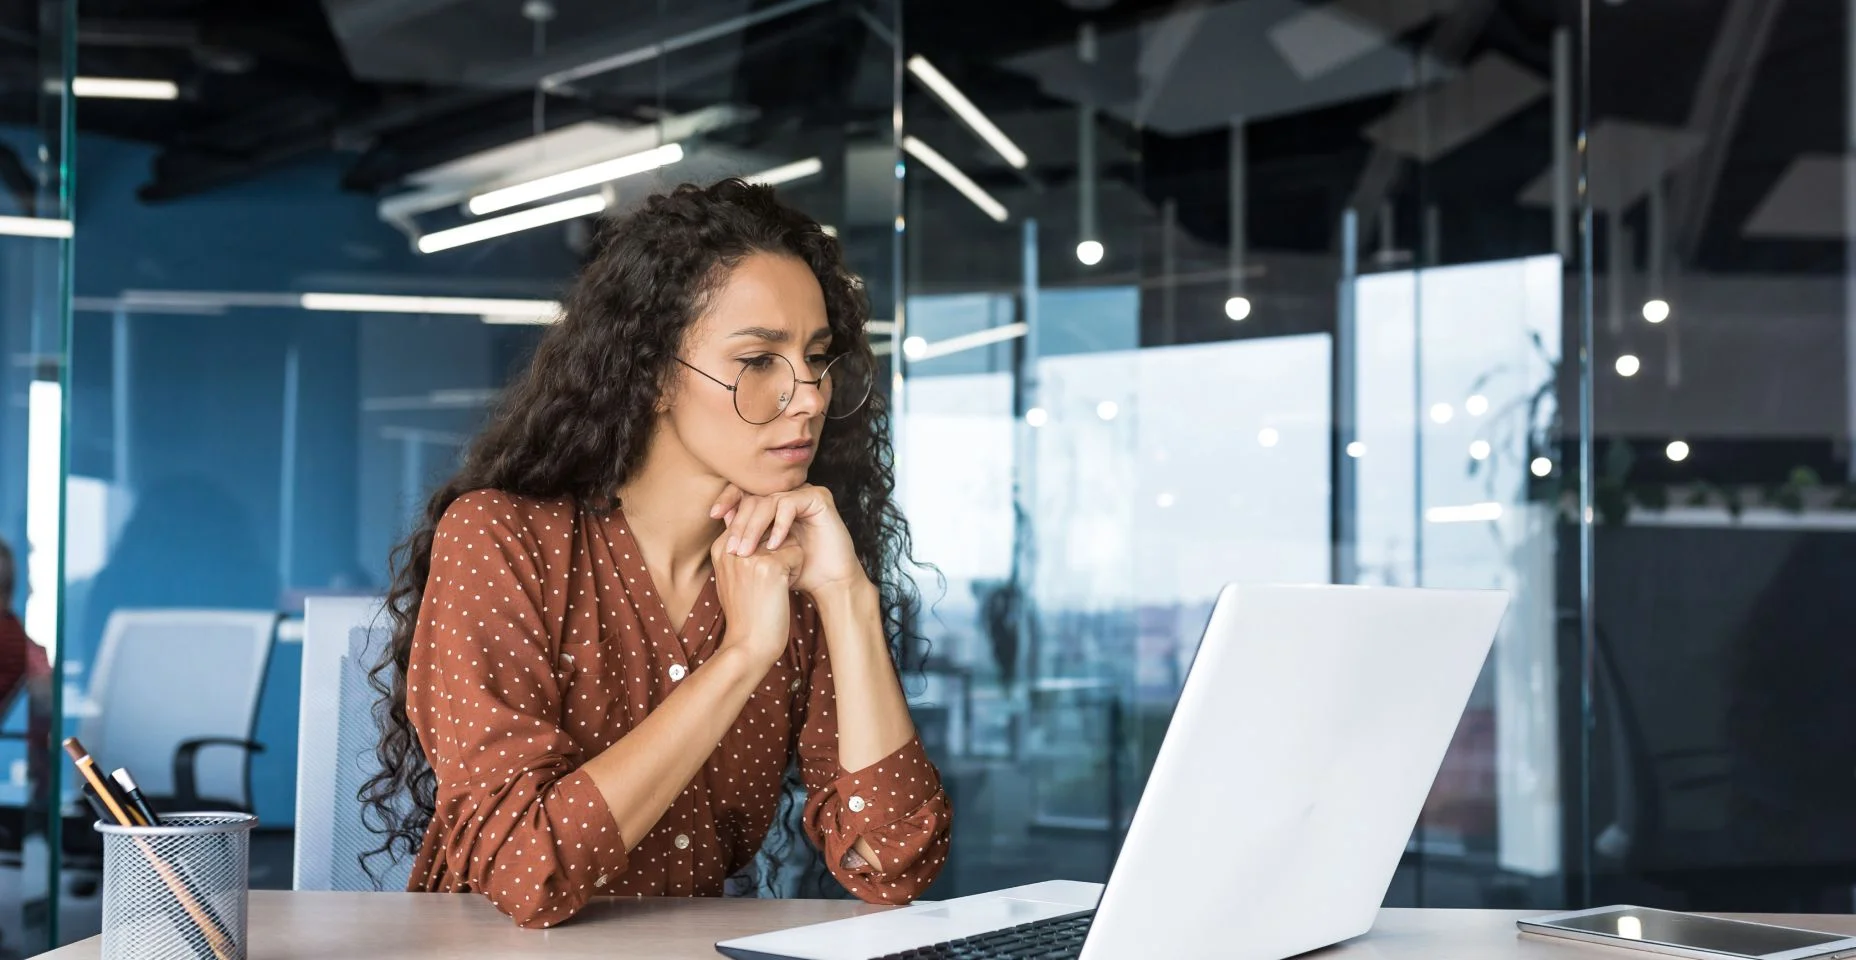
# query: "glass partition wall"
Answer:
x=35 y=268
x=1251 y=291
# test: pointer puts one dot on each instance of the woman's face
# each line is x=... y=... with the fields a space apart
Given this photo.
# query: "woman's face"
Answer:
x=770 y=307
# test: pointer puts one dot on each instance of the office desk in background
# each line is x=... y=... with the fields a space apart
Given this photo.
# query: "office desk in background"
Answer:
x=407 y=926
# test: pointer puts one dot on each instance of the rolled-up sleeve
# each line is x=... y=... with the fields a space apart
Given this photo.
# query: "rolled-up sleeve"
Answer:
x=896 y=805
x=514 y=816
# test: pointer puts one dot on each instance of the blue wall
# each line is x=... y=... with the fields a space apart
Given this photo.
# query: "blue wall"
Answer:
x=205 y=396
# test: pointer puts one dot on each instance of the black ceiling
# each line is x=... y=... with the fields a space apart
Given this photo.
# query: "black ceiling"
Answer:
x=268 y=83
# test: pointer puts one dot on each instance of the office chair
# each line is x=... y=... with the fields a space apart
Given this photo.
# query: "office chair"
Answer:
x=174 y=683
x=343 y=637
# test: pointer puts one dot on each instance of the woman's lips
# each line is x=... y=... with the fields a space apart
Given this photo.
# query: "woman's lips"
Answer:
x=796 y=452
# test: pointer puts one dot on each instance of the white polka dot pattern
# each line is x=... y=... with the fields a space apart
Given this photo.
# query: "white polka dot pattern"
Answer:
x=540 y=643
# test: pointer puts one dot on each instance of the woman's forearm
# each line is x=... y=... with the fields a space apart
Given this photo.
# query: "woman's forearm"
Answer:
x=642 y=774
x=873 y=715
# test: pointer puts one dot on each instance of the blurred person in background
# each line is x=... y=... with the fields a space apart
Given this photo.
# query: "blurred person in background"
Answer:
x=25 y=670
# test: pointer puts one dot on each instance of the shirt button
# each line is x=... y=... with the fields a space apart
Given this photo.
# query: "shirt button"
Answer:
x=683 y=841
x=856 y=804
x=677 y=672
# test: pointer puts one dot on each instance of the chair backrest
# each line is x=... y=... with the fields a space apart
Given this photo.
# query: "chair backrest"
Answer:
x=343 y=637
x=163 y=677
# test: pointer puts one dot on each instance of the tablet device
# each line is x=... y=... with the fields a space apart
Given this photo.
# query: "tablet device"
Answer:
x=1690 y=935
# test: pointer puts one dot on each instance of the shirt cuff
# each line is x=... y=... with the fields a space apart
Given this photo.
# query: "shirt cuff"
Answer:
x=581 y=849
x=886 y=791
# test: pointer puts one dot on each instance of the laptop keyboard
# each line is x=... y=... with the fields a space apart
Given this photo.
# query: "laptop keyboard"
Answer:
x=1059 y=938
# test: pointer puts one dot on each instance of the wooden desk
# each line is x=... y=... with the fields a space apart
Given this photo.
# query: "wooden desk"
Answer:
x=403 y=926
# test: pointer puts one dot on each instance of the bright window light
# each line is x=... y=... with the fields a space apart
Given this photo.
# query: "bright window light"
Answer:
x=513 y=223
x=578 y=178
x=957 y=102
x=506 y=310
x=787 y=173
x=1090 y=252
x=44 y=491
x=1237 y=308
x=956 y=179
x=124 y=88
x=1466 y=513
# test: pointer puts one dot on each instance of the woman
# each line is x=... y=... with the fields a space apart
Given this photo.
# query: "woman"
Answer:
x=630 y=610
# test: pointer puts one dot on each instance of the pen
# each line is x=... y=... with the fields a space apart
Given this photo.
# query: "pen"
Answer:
x=133 y=793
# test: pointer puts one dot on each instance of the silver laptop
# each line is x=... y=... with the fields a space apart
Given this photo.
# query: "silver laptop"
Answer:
x=1307 y=734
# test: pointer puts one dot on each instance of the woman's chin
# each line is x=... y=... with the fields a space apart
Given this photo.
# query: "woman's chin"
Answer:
x=766 y=483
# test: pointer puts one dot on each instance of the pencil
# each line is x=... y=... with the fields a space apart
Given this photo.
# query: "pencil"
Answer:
x=216 y=939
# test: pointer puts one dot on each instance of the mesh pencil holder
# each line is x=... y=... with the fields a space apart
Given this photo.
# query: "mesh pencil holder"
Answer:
x=177 y=891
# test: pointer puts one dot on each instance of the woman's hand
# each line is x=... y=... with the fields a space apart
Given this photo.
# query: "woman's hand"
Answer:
x=807 y=516
x=756 y=596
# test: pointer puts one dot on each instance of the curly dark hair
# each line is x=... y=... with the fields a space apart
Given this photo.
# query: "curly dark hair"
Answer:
x=578 y=421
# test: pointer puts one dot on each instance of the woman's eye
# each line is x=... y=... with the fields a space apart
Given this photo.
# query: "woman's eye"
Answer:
x=761 y=362
x=819 y=360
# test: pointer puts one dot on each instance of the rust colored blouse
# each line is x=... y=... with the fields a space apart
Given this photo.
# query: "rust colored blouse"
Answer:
x=540 y=643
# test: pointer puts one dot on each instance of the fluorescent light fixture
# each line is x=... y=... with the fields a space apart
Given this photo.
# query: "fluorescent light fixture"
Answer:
x=578 y=178
x=959 y=181
x=915 y=348
x=947 y=93
x=125 y=88
x=505 y=311
x=44 y=491
x=880 y=328
x=34 y=227
x=513 y=223
x=787 y=173
x=1467 y=513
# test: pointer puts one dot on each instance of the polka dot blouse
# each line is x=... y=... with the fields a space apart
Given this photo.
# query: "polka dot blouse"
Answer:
x=540 y=643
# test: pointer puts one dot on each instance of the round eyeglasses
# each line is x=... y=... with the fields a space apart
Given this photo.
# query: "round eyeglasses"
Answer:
x=767 y=383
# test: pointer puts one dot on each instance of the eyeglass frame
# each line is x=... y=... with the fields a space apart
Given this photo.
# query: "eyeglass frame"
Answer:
x=798 y=381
